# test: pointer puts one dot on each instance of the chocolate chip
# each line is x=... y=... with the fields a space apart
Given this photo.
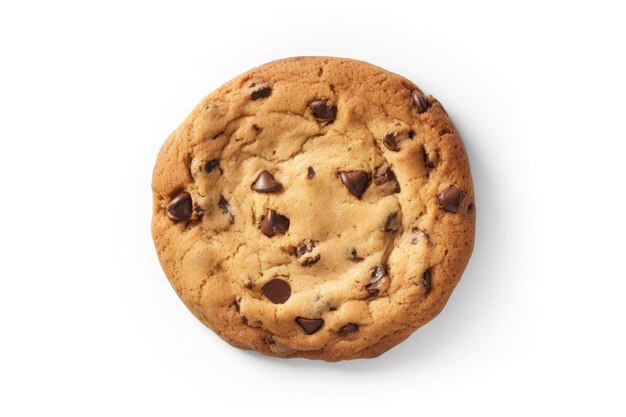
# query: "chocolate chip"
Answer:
x=392 y=224
x=417 y=234
x=450 y=199
x=311 y=260
x=310 y=326
x=352 y=255
x=383 y=174
x=323 y=111
x=391 y=142
x=310 y=173
x=273 y=223
x=211 y=165
x=419 y=101
x=355 y=181
x=237 y=304
x=411 y=134
x=305 y=246
x=426 y=280
x=377 y=274
x=348 y=328
x=262 y=93
x=225 y=206
x=266 y=183
x=277 y=291
x=470 y=208
x=429 y=164
x=180 y=208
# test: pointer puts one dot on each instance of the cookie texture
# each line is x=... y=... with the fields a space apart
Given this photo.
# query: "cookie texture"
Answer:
x=314 y=207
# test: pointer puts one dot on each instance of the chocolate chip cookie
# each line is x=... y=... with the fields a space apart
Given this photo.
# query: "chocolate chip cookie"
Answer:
x=314 y=207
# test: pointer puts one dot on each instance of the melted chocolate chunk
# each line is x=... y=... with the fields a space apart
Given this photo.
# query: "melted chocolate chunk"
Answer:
x=261 y=93
x=273 y=223
x=266 y=183
x=180 y=208
x=383 y=174
x=427 y=162
x=392 y=224
x=310 y=326
x=311 y=260
x=450 y=199
x=355 y=181
x=225 y=206
x=305 y=246
x=211 y=165
x=323 y=111
x=419 y=101
x=417 y=235
x=277 y=291
x=391 y=142
x=377 y=274
x=426 y=280
x=348 y=328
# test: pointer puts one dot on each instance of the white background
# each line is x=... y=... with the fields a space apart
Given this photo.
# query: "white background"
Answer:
x=89 y=323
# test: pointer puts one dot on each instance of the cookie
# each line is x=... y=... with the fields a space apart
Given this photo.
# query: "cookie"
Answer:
x=314 y=207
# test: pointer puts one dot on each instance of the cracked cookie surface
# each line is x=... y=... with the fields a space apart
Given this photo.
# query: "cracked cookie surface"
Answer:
x=314 y=207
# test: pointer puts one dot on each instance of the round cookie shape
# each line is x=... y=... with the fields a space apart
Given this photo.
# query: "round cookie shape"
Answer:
x=314 y=207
